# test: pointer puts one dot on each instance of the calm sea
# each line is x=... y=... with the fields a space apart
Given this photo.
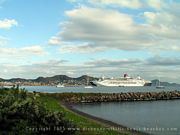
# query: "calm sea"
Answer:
x=54 y=89
x=161 y=116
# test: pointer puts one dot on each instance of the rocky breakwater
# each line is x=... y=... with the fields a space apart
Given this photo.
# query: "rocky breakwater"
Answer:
x=117 y=97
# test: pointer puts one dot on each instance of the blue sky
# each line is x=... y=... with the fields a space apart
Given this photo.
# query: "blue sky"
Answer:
x=95 y=37
x=38 y=20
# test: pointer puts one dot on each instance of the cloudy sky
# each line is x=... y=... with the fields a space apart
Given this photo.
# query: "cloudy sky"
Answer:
x=95 y=37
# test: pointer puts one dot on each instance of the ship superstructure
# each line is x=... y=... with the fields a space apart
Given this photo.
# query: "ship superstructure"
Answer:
x=122 y=82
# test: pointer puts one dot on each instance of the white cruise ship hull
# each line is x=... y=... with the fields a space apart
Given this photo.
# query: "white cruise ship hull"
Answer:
x=111 y=83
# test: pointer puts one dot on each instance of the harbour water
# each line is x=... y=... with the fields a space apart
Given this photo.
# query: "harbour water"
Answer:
x=156 y=117
x=53 y=89
x=160 y=116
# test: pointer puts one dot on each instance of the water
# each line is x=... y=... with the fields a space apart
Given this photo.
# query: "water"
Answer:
x=140 y=115
x=163 y=115
x=53 y=89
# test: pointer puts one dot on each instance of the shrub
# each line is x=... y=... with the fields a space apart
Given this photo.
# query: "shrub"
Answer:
x=22 y=113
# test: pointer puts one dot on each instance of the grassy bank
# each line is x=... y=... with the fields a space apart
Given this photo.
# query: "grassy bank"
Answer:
x=23 y=112
x=90 y=126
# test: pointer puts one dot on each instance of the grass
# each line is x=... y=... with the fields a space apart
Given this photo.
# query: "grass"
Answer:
x=53 y=104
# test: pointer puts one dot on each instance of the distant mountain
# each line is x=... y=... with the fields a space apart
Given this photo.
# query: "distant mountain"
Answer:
x=53 y=79
x=1 y=80
x=85 y=77
x=62 y=78
x=17 y=80
x=156 y=82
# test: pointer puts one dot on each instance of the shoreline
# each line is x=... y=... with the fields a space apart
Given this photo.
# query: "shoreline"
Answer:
x=106 y=123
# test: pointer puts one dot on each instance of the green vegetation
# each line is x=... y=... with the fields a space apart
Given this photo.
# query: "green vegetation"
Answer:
x=90 y=126
x=22 y=113
x=34 y=113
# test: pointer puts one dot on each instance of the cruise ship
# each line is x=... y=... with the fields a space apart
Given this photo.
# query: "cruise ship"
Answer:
x=122 y=82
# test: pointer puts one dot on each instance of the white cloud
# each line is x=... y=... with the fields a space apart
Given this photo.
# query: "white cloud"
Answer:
x=150 y=68
x=50 y=63
x=54 y=41
x=164 y=61
x=36 y=50
x=100 y=27
x=22 y=52
x=132 y=4
x=157 y=4
x=70 y=72
x=107 y=29
x=123 y=3
x=85 y=48
x=7 y=23
x=164 y=24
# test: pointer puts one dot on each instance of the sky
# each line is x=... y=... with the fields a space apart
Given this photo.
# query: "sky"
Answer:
x=93 y=37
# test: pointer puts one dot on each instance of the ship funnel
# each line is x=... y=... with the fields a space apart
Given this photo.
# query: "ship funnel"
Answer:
x=125 y=75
